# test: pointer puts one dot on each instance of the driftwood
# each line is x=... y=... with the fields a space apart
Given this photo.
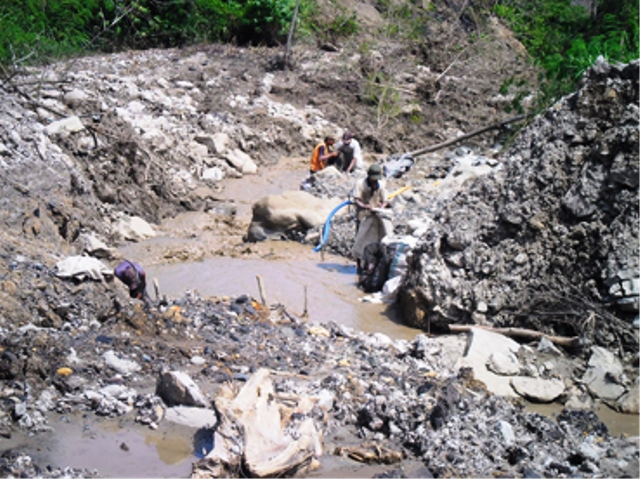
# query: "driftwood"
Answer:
x=565 y=342
x=439 y=146
x=370 y=453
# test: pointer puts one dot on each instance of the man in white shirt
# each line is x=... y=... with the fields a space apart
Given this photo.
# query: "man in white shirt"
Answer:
x=350 y=153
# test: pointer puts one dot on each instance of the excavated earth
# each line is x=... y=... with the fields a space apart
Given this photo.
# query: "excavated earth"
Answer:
x=99 y=154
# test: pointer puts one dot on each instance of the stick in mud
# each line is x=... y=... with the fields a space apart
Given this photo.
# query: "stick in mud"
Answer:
x=156 y=289
x=305 y=313
x=263 y=296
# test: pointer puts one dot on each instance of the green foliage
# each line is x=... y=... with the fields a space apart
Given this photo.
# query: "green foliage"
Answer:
x=26 y=28
x=404 y=20
x=265 y=21
x=36 y=29
x=565 y=39
x=384 y=97
x=342 y=23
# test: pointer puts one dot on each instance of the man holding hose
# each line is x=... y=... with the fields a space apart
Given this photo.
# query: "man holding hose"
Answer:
x=370 y=197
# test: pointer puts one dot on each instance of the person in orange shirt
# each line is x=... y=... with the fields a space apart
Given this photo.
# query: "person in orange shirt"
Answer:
x=322 y=154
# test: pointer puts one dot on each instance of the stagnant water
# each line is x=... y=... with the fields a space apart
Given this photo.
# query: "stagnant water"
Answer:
x=326 y=289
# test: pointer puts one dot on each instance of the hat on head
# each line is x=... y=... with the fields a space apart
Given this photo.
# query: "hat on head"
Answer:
x=347 y=135
x=375 y=172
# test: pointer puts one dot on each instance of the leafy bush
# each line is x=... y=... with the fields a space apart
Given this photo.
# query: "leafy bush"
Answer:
x=565 y=39
x=26 y=28
x=339 y=23
x=36 y=29
x=264 y=21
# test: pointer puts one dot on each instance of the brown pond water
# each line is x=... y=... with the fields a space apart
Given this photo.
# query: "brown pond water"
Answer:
x=327 y=288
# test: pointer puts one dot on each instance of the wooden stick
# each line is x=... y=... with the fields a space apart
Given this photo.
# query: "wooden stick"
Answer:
x=520 y=333
x=450 y=65
x=290 y=36
x=156 y=289
x=305 y=313
x=429 y=149
x=263 y=296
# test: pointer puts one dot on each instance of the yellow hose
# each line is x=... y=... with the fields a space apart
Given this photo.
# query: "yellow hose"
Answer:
x=398 y=192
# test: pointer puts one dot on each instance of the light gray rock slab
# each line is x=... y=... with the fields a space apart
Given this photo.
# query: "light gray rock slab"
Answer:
x=481 y=344
x=134 y=228
x=241 y=162
x=64 y=127
x=603 y=375
x=629 y=402
x=538 y=389
x=195 y=417
x=122 y=365
x=504 y=364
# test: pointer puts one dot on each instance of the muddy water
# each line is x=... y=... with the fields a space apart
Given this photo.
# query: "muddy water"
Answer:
x=114 y=448
x=617 y=423
x=326 y=289
x=292 y=274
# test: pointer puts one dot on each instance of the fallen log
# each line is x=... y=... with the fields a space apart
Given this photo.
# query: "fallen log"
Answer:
x=566 y=342
x=429 y=149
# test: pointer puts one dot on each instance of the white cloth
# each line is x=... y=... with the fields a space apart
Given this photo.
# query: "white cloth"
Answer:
x=364 y=193
x=373 y=227
x=82 y=267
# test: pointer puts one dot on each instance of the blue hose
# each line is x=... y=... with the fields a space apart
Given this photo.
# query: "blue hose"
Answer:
x=327 y=224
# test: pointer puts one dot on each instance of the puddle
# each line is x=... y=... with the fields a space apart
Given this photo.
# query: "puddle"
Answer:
x=291 y=274
x=113 y=449
x=327 y=289
x=617 y=423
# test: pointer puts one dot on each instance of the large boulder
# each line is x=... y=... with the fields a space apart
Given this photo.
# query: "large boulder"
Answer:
x=288 y=213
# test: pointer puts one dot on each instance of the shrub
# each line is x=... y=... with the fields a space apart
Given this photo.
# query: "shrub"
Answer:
x=35 y=29
x=565 y=39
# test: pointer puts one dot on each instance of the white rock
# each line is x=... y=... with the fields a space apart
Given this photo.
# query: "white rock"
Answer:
x=538 y=389
x=123 y=366
x=75 y=97
x=242 y=162
x=177 y=388
x=198 y=360
x=507 y=433
x=505 y=364
x=603 y=374
x=546 y=346
x=64 y=127
x=195 y=417
x=134 y=228
x=481 y=344
x=213 y=174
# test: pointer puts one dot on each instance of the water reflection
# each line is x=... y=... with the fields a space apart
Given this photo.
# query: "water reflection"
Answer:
x=327 y=289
